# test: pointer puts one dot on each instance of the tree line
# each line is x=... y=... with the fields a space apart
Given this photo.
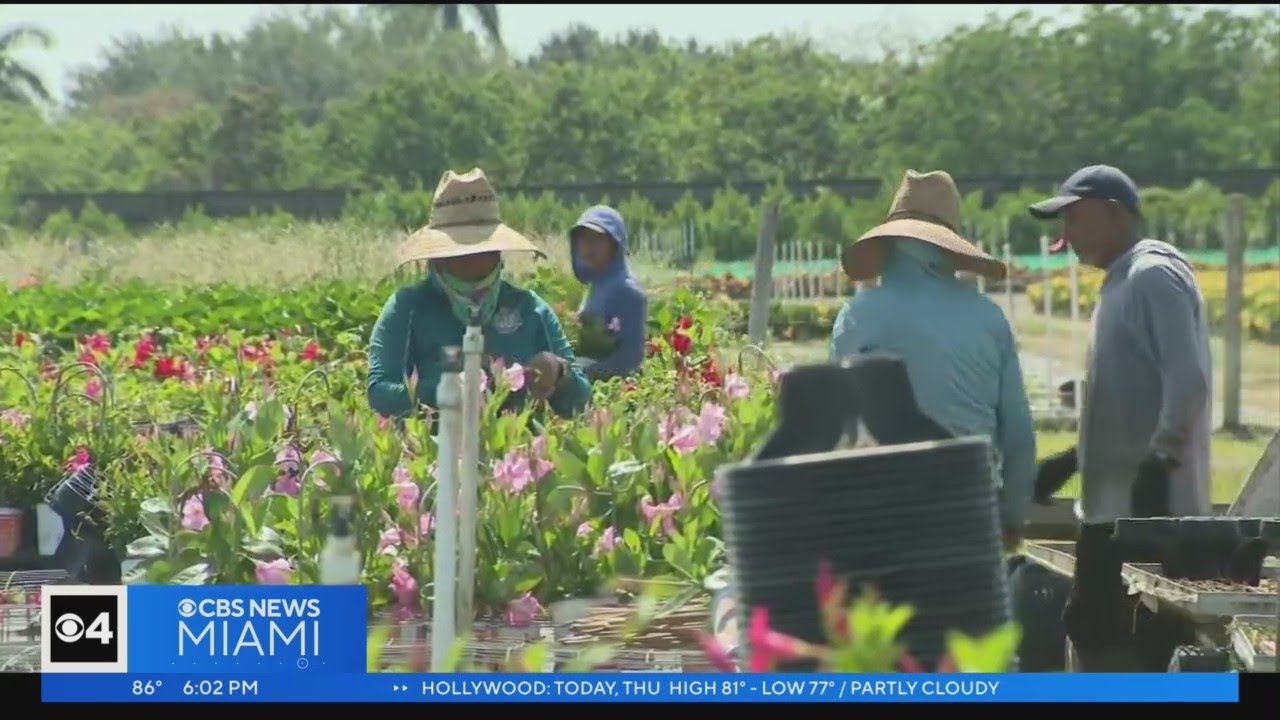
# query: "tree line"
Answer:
x=391 y=95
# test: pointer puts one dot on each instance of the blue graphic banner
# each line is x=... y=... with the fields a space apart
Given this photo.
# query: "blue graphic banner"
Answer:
x=251 y=630
x=641 y=687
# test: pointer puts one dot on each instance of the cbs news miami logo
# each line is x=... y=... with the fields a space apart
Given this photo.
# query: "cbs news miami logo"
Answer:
x=84 y=629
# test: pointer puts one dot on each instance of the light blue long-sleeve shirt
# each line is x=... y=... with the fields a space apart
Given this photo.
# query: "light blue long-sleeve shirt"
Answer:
x=960 y=357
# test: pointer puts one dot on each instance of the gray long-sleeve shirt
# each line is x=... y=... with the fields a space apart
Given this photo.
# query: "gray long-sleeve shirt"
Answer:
x=1148 y=383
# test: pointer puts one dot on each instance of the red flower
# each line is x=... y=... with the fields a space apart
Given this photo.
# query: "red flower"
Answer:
x=311 y=352
x=908 y=664
x=87 y=357
x=685 y=323
x=651 y=348
x=680 y=343
x=831 y=594
x=96 y=343
x=174 y=366
x=260 y=353
x=143 y=350
x=711 y=374
x=203 y=344
x=19 y=338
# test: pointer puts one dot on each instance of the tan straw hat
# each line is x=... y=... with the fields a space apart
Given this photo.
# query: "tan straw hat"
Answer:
x=464 y=221
x=927 y=207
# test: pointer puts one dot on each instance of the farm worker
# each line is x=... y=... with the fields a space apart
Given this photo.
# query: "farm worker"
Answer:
x=615 y=310
x=462 y=243
x=1143 y=446
x=956 y=344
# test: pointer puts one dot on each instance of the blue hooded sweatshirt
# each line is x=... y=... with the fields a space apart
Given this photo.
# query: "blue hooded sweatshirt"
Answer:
x=614 y=299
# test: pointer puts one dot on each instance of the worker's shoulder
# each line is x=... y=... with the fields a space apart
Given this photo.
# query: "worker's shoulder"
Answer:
x=1161 y=268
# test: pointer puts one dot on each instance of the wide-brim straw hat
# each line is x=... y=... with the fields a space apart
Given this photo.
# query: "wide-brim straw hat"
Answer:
x=464 y=221
x=926 y=207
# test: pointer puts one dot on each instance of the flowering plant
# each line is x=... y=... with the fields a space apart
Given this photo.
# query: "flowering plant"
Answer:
x=862 y=637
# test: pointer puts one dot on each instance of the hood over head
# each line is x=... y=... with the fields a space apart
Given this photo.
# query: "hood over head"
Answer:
x=605 y=219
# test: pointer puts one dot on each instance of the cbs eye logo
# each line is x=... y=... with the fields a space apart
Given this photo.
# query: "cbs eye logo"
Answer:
x=83 y=629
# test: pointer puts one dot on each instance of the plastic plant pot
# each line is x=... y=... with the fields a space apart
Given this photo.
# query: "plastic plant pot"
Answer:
x=11 y=522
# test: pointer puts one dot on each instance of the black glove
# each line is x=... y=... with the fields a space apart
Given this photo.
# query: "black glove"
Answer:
x=1150 y=494
x=1054 y=472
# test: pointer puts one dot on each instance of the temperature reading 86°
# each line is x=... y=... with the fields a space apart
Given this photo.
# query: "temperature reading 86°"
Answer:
x=146 y=688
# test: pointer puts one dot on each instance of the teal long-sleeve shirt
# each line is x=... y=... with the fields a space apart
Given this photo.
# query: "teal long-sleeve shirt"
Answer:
x=416 y=325
x=960 y=357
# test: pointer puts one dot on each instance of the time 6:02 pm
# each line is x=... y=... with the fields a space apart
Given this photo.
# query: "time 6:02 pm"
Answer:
x=214 y=688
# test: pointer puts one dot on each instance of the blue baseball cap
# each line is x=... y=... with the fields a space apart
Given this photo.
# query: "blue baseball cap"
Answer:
x=1099 y=182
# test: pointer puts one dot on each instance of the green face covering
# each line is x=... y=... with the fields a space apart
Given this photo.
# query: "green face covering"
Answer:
x=464 y=295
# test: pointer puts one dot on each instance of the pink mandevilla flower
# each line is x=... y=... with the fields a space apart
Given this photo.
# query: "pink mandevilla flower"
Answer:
x=608 y=540
x=512 y=473
x=217 y=469
x=711 y=422
x=735 y=386
x=426 y=523
x=289 y=482
x=515 y=377
x=14 y=417
x=584 y=530
x=193 y=517
x=389 y=541
x=522 y=611
x=405 y=588
x=79 y=461
x=93 y=389
x=407 y=491
x=665 y=511
x=276 y=572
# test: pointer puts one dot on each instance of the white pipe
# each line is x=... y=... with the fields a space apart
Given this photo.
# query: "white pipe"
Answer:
x=1074 y=280
x=443 y=629
x=468 y=473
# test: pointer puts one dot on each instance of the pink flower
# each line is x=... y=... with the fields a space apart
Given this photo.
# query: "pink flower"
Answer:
x=522 y=611
x=79 y=461
x=716 y=653
x=512 y=473
x=735 y=386
x=775 y=376
x=217 y=469
x=426 y=523
x=93 y=389
x=276 y=572
x=615 y=325
x=664 y=511
x=711 y=422
x=599 y=418
x=389 y=541
x=679 y=436
x=193 y=517
x=584 y=529
x=321 y=457
x=405 y=588
x=608 y=540
x=769 y=646
x=407 y=491
x=383 y=422
x=514 y=376
x=289 y=460
x=96 y=343
x=14 y=417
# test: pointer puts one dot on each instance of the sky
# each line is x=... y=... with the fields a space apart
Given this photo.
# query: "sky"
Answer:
x=82 y=31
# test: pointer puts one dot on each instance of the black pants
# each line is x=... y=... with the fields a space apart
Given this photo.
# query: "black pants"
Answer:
x=1096 y=611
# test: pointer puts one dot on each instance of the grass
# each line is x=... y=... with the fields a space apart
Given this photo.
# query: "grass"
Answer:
x=1232 y=459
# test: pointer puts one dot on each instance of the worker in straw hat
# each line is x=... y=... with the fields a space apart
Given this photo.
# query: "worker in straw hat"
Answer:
x=463 y=244
x=956 y=344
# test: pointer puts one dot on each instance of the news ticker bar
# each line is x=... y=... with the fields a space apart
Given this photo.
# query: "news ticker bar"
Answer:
x=641 y=687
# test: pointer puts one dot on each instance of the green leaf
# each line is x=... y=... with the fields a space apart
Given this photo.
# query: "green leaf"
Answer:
x=150 y=546
x=992 y=653
x=252 y=484
x=197 y=574
x=625 y=468
x=591 y=658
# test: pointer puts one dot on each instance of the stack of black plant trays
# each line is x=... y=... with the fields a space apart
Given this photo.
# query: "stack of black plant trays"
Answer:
x=915 y=517
x=1225 y=550
x=80 y=553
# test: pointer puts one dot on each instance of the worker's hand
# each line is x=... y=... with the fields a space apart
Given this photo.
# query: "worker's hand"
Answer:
x=1054 y=472
x=1150 y=495
x=545 y=372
